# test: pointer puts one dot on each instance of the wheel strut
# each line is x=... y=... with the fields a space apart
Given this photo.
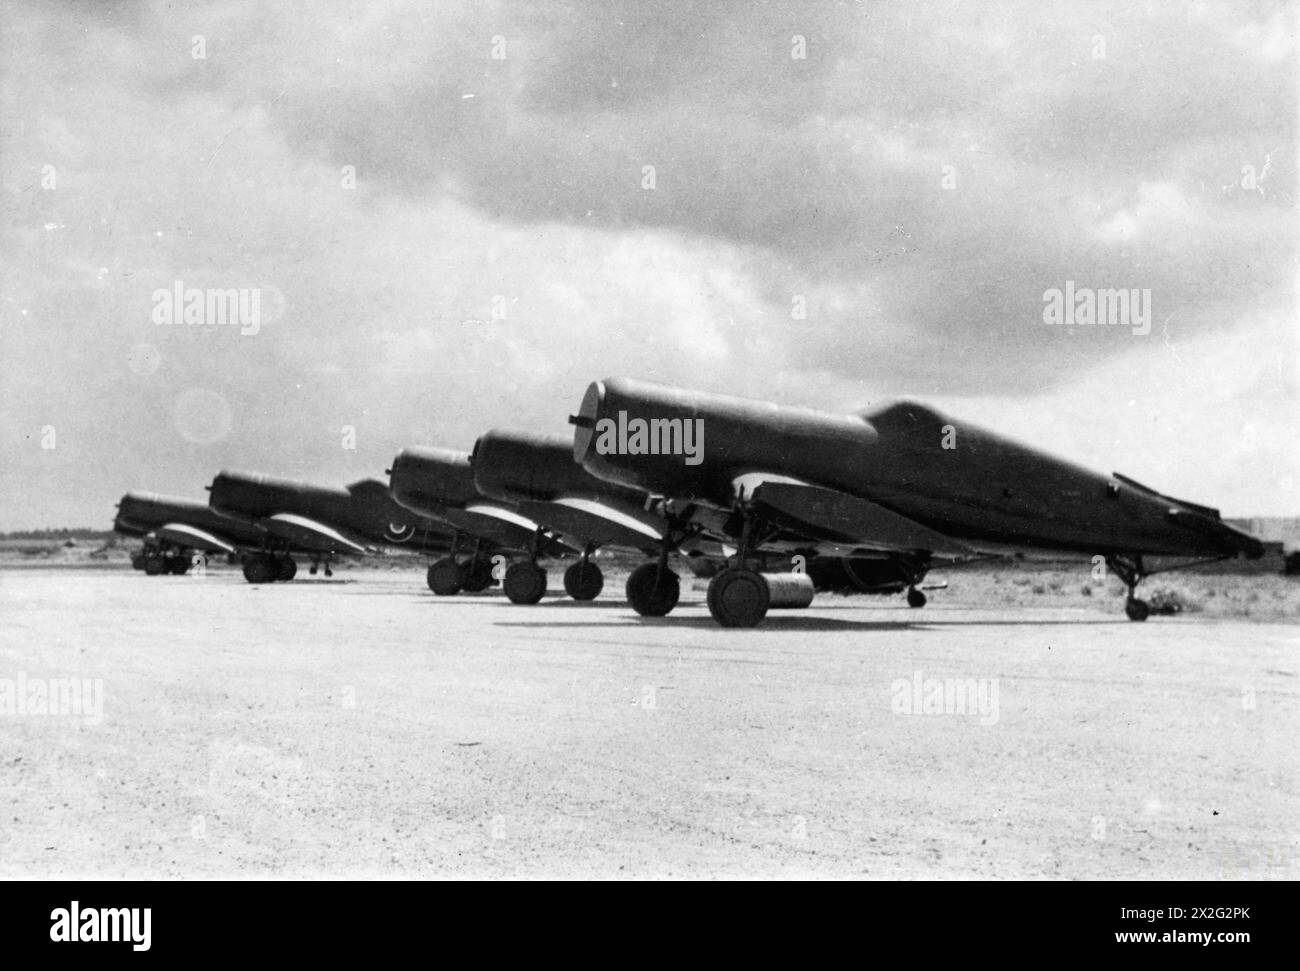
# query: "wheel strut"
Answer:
x=1131 y=571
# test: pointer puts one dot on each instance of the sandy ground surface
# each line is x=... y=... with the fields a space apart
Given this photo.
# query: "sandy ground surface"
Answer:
x=361 y=726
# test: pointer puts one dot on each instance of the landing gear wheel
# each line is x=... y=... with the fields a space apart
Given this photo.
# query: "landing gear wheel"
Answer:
x=525 y=582
x=154 y=565
x=1136 y=609
x=583 y=581
x=738 y=598
x=915 y=598
x=258 y=568
x=286 y=569
x=446 y=577
x=653 y=593
x=477 y=575
x=179 y=566
x=137 y=561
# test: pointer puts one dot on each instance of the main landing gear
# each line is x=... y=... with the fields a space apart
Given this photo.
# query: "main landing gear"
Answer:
x=1130 y=570
x=270 y=567
x=583 y=580
x=155 y=561
x=444 y=577
x=740 y=596
x=653 y=589
x=476 y=574
x=448 y=576
x=525 y=581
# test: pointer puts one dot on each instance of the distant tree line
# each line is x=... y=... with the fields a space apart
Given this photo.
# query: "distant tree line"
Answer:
x=52 y=534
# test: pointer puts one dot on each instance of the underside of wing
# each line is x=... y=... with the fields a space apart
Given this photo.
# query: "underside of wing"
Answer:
x=182 y=534
x=503 y=515
x=505 y=526
x=599 y=523
x=310 y=534
x=830 y=516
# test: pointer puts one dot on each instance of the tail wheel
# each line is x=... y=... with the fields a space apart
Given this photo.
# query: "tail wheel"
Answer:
x=583 y=580
x=446 y=577
x=525 y=582
x=286 y=569
x=478 y=575
x=915 y=598
x=653 y=592
x=258 y=568
x=1136 y=609
x=738 y=598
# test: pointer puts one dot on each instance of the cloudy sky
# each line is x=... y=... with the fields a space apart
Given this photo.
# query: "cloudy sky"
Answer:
x=446 y=212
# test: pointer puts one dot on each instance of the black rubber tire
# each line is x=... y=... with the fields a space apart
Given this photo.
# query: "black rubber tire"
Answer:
x=137 y=561
x=477 y=575
x=1136 y=609
x=285 y=569
x=179 y=566
x=525 y=582
x=259 y=569
x=645 y=598
x=915 y=598
x=738 y=598
x=154 y=566
x=583 y=581
x=445 y=577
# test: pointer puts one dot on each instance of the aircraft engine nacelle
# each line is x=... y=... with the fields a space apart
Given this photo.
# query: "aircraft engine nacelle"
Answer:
x=516 y=466
x=424 y=478
x=246 y=494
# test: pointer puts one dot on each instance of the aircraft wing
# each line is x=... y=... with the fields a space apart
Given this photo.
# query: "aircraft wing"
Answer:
x=499 y=526
x=600 y=523
x=828 y=516
x=310 y=535
x=182 y=534
x=502 y=514
x=509 y=528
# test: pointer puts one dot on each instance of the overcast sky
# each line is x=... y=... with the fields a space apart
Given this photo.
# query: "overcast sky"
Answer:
x=917 y=182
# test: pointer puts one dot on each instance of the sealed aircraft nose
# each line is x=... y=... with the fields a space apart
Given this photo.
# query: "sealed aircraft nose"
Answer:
x=401 y=475
x=584 y=422
x=432 y=475
x=221 y=491
x=249 y=493
x=522 y=465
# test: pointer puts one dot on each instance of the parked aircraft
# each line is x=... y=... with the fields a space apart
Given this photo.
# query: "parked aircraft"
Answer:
x=173 y=529
x=439 y=483
x=537 y=474
x=321 y=521
x=900 y=484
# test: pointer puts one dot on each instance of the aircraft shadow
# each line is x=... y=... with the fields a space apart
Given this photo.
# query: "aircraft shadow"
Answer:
x=778 y=620
x=770 y=624
x=792 y=622
x=500 y=598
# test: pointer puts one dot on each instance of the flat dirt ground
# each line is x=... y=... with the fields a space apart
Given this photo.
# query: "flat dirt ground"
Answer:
x=362 y=727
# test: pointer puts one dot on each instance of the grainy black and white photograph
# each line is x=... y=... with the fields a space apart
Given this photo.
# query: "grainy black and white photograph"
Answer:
x=648 y=441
